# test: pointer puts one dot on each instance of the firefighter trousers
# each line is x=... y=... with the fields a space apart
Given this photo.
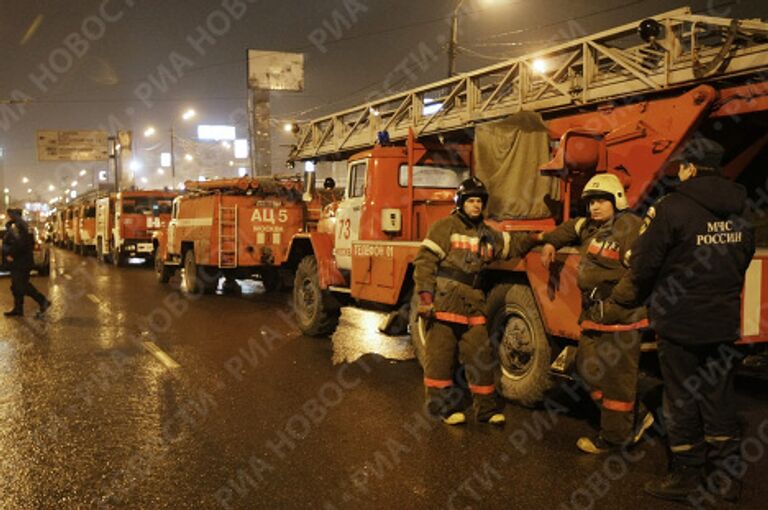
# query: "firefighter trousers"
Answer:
x=21 y=287
x=608 y=363
x=699 y=404
x=474 y=352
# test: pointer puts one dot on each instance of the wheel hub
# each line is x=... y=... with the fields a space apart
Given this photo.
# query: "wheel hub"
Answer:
x=516 y=350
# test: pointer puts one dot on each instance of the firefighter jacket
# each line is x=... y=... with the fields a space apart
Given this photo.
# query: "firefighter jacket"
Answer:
x=691 y=259
x=449 y=262
x=605 y=250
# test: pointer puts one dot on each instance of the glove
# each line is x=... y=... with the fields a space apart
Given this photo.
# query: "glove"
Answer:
x=425 y=309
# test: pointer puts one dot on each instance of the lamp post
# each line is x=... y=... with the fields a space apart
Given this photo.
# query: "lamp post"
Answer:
x=151 y=131
x=453 y=39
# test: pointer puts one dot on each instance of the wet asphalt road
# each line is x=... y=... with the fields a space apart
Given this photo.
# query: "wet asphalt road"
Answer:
x=130 y=394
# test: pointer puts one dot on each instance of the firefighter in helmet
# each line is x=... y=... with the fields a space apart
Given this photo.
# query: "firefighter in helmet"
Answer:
x=447 y=278
x=609 y=349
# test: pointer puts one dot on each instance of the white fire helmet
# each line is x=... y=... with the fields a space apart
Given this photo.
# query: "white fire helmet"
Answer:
x=606 y=184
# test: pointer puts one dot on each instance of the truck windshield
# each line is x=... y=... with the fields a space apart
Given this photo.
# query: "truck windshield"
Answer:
x=434 y=176
x=90 y=212
x=146 y=205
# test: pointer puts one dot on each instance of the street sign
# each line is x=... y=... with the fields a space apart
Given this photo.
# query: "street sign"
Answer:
x=72 y=146
x=275 y=70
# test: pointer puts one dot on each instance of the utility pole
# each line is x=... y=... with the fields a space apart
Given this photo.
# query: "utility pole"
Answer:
x=453 y=39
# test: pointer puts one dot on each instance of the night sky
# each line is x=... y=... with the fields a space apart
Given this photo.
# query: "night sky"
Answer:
x=86 y=64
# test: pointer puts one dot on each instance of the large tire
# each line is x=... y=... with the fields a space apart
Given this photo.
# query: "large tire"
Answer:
x=45 y=268
x=99 y=251
x=163 y=273
x=317 y=310
x=118 y=260
x=524 y=351
x=197 y=279
x=418 y=330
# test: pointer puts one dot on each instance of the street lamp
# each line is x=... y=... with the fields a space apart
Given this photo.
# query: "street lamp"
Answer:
x=150 y=131
x=453 y=40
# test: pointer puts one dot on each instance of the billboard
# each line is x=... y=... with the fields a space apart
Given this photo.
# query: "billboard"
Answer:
x=275 y=70
x=72 y=146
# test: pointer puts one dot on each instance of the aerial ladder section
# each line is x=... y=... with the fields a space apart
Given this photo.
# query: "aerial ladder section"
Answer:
x=678 y=49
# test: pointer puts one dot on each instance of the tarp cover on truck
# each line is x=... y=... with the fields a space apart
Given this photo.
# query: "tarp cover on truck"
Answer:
x=507 y=155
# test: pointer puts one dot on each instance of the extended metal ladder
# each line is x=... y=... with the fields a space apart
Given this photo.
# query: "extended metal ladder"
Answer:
x=227 y=237
x=673 y=49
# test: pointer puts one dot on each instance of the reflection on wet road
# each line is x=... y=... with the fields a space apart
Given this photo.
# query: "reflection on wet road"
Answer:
x=133 y=395
x=358 y=334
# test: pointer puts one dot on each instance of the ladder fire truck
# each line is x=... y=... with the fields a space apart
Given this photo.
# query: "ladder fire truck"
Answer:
x=621 y=101
x=231 y=228
x=126 y=222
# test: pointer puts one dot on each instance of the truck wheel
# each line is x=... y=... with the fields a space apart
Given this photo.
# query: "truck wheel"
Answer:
x=45 y=267
x=317 y=310
x=524 y=351
x=418 y=331
x=197 y=279
x=162 y=272
x=117 y=258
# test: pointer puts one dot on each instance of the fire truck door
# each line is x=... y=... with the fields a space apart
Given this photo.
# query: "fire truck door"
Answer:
x=348 y=214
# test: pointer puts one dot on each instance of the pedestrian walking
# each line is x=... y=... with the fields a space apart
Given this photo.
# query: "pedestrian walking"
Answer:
x=691 y=260
x=18 y=246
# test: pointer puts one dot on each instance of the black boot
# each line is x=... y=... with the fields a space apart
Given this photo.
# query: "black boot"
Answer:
x=16 y=312
x=678 y=485
x=44 y=306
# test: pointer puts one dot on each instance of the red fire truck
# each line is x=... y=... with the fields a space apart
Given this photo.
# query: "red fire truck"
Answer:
x=621 y=101
x=232 y=228
x=126 y=222
x=85 y=229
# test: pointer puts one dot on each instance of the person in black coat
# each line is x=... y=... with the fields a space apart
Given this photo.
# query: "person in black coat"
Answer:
x=690 y=259
x=18 y=244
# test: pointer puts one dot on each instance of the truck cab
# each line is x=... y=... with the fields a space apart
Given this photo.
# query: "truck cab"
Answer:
x=365 y=244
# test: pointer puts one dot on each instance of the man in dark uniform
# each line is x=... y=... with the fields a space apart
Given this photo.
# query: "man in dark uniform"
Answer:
x=609 y=348
x=18 y=244
x=691 y=259
x=446 y=274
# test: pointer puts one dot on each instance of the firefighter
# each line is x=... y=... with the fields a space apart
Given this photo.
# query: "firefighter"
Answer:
x=691 y=260
x=18 y=244
x=447 y=278
x=609 y=349
x=329 y=194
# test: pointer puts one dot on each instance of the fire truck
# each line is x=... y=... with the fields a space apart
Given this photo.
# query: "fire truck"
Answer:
x=126 y=221
x=84 y=220
x=621 y=101
x=58 y=225
x=70 y=225
x=232 y=228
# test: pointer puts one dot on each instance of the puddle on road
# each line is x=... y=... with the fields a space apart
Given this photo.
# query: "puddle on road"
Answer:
x=358 y=334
